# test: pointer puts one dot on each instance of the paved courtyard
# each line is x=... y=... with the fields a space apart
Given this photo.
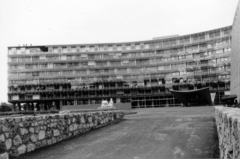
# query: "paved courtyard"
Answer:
x=154 y=133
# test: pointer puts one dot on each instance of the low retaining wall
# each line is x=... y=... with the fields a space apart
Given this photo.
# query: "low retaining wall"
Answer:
x=228 y=126
x=20 y=135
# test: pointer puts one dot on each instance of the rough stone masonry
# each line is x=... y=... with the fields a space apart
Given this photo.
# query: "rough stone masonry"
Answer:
x=20 y=135
x=228 y=126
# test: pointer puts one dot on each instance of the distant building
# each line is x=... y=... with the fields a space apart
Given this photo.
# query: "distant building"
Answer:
x=140 y=73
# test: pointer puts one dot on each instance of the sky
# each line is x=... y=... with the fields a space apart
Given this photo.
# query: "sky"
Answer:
x=46 y=22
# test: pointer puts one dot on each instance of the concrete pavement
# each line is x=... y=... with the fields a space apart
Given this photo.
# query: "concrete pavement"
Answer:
x=154 y=133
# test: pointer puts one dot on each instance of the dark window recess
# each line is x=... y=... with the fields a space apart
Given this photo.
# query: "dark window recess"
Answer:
x=44 y=49
x=35 y=74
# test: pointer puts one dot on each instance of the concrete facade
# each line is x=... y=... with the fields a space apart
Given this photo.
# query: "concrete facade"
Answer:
x=235 y=64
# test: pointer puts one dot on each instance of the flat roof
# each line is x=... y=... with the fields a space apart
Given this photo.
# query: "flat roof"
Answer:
x=120 y=43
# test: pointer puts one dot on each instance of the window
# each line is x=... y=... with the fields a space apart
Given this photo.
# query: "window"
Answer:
x=160 y=68
x=60 y=65
x=55 y=50
x=50 y=65
x=137 y=46
x=35 y=58
x=135 y=70
x=67 y=72
x=220 y=51
x=70 y=57
x=52 y=57
x=166 y=67
x=105 y=48
x=70 y=65
x=28 y=66
x=42 y=65
x=13 y=59
x=73 y=49
x=13 y=67
x=119 y=47
x=35 y=74
x=156 y=60
x=184 y=40
x=122 y=70
x=215 y=34
x=196 y=56
x=64 y=50
x=91 y=56
x=110 y=48
x=96 y=48
x=59 y=49
x=198 y=37
x=226 y=32
x=169 y=42
x=81 y=72
x=12 y=51
x=203 y=47
x=50 y=50
x=92 y=48
x=25 y=59
x=175 y=73
x=183 y=73
x=42 y=58
x=53 y=73
x=204 y=62
x=133 y=46
x=182 y=57
x=14 y=74
x=42 y=73
x=189 y=56
x=91 y=63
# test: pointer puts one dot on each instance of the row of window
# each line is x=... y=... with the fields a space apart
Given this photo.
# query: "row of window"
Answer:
x=118 y=47
x=145 y=83
x=181 y=67
x=120 y=63
x=76 y=80
x=151 y=60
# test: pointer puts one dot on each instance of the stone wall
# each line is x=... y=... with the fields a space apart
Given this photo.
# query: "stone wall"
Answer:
x=19 y=135
x=228 y=126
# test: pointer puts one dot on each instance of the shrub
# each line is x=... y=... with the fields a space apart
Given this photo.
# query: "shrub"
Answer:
x=4 y=107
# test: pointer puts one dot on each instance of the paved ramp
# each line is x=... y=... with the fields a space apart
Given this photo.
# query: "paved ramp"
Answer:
x=154 y=133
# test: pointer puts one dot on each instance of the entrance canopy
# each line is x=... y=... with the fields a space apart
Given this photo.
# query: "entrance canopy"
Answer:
x=197 y=97
x=229 y=97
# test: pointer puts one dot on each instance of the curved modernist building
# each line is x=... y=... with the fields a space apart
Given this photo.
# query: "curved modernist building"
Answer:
x=139 y=74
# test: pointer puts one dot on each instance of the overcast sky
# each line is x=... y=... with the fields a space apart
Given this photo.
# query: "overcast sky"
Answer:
x=45 y=22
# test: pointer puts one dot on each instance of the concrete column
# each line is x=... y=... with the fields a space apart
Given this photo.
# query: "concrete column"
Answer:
x=19 y=107
x=207 y=36
x=117 y=100
x=37 y=106
x=75 y=102
x=167 y=103
x=32 y=106
x=14 y=106
x=60 y=104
